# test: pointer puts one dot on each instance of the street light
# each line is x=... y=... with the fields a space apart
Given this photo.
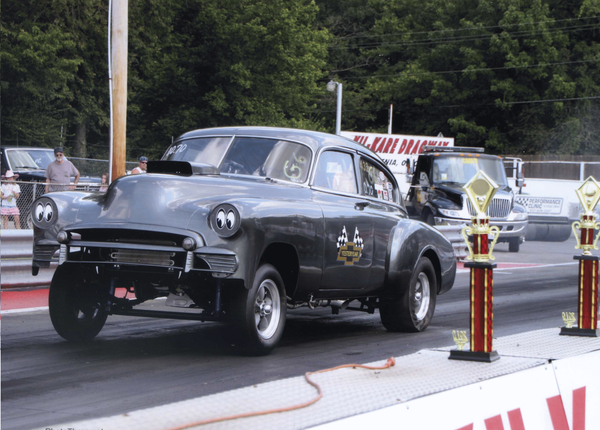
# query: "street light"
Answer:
x=338 y=116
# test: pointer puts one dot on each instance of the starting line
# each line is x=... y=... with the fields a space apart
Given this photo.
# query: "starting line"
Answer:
x=542 y=381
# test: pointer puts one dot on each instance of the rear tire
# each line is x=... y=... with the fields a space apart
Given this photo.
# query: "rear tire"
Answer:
x=514 y=244
x=76 y=305
x=414 y=310
x=261 y=312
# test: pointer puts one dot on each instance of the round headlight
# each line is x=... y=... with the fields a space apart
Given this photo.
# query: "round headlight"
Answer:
x=225 y=220
x=45 y=213
x=189 y=244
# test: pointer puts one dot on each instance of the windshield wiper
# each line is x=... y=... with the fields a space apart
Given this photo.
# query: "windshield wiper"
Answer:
x=28 y=167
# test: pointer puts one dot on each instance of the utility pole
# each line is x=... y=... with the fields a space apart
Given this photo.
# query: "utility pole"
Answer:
x=119 y=36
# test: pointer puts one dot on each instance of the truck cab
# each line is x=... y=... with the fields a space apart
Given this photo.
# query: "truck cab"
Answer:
x=436 y=195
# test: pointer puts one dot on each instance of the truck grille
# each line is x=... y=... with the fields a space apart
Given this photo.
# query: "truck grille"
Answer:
x=500 y=208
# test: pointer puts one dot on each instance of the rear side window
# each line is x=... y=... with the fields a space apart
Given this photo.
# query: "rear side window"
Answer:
x=335 y=172
x=376 y=183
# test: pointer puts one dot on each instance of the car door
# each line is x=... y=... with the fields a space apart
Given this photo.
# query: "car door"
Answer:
x=348 y=241
x=384 y=209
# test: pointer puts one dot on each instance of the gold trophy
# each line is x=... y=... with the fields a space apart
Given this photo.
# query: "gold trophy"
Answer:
x=480 y=192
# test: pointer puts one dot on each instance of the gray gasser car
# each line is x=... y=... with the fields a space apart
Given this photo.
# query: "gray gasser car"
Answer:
x=240 y=225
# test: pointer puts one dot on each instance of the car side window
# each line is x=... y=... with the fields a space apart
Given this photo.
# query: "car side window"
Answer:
x=376 y=183
x=335 y=172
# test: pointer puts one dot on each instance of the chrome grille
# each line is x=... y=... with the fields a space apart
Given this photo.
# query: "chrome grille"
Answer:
x=500 y=208
x=156 y=258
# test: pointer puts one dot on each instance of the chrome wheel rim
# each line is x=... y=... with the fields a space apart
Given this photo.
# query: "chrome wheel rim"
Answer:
x=422 y=296
x=267 y=309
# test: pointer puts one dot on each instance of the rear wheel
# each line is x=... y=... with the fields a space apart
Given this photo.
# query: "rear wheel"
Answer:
x=76 y=305
x=414 y=310
x=261 y=312
x=514 y=244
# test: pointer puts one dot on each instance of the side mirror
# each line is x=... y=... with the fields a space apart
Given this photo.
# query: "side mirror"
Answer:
x=520 y=182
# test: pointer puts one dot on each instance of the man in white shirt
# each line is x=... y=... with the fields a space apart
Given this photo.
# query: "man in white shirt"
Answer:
x=141 y=168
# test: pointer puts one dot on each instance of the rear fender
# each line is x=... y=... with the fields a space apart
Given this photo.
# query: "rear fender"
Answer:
x=411 y=241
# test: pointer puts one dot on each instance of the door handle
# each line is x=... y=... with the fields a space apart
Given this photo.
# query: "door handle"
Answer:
x=360 y=205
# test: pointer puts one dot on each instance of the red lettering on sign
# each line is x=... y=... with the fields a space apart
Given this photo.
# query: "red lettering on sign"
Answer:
x=557 y=413
x=394 y=146
x=445 y=143
x=357 y=138
x=387 y=146
x=422 y=147
x=403 y=147
x=516 y=420
x=579 y=409
x=374 y=145
x=415 y=147
x=494 y=423
x=381 y=145
x=409 y=146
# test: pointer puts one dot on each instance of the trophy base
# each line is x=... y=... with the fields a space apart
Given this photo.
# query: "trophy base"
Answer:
x=574 y=331
x=485 y=357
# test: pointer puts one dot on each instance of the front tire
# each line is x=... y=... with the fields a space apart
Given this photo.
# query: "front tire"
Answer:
x=514 y=244
x=262 y=312
x=75 y=304
x=414 y=310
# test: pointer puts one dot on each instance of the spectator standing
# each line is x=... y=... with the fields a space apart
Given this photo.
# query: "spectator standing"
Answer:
x=59 y=172
x=141 y=168
x=104 y=183
x=10 y=192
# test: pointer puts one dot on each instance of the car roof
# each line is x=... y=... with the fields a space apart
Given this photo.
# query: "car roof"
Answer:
x=314 y=139
x=458 y=154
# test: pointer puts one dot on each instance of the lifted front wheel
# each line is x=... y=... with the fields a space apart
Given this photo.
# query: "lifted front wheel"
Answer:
x=76 y=305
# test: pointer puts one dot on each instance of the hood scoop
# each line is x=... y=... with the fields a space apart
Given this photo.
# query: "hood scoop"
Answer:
x=181 y=168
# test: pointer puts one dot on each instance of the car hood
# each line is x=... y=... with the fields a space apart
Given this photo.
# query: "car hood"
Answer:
x=454 y=191
x=174 y=201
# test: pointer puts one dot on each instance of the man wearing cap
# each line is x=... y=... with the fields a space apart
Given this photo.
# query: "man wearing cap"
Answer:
x=59 y=172
x=141 y=168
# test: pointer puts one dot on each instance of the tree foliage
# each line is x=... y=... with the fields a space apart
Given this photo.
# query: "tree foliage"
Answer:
x=516 y=76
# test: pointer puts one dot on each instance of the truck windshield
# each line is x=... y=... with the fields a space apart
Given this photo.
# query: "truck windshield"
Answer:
x=459 y=170
x=36 y=159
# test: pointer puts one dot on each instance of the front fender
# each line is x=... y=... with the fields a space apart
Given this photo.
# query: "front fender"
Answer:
x=412 y=240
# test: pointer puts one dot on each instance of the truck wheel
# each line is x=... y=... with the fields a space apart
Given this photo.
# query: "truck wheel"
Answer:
x=263 y=312
x=429 y=219
x=76 y=307
x=414 y=310
x=514 y=243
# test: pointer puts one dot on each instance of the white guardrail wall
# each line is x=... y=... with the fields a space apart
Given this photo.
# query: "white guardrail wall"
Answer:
x=16 y=252
x=17 y=247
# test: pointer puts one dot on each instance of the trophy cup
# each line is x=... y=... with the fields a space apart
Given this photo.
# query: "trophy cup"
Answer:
x=480 y=191
x=587 y=321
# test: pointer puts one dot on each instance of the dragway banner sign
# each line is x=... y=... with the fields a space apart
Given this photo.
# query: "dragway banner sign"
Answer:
x=394 y=149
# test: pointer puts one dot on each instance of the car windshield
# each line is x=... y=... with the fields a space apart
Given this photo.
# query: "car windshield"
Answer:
x=37 y=159
x=460 y=170
x=272 y=158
